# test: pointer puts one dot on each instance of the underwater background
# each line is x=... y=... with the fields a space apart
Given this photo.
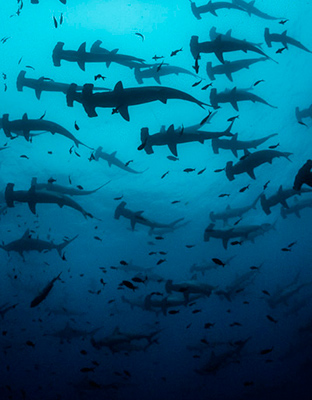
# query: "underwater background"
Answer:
x=141 y=304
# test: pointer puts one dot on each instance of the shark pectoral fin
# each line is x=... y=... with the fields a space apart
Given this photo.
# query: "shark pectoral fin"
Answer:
x=157 y=79
x=124 y=112
x=173 y=149
x=213 y=12
x=108 y=63
x=26 y=134
x=297 y=214
x=225 y=242
x=284 y=203
x=219 y=55
x=96 y=46
x=118 y=87
x=133 y=222
x=82 y=64
x=234 y=151
x=234 y=104
x=251 y=173
x=26 y=234
x=229 y=76
x=32 y=207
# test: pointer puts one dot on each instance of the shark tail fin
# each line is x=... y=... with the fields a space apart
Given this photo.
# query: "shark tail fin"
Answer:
x=61 y=246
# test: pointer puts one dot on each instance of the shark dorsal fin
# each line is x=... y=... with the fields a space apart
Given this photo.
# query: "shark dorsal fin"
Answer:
x=162 y=129
x=280 y=190
x=26 y=234
x=228 y=33
x=95 y=46
x=82 y=48
x=234 y=137
x=33 y=182
x=170 y=129
x=25 y=117
x=118 y=87
x=113 y=154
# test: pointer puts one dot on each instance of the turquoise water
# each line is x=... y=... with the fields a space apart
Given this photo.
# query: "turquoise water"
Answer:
x=258 y=303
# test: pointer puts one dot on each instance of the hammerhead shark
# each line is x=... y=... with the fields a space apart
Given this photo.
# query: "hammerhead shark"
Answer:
x=252 y=10
x=120 y=99
x=68 y=333
x=296 y=207
x=24 y=127
x=69 y=191
x=280 y=198
x=43 y=84
x=171 y=137
x=234 y=145
x=211 y=7
x=112 y=160
x=233 y=96
x=250 y=161
x=163 y=303
x=155 y=72
x=190 y=286
x=96 y=55
x=284 y=39
x=136 y=217
x=208 y=266
x=230 y=212
x=33 y=197
x=305 y=113
x=243 y=232
x=229 y=67
x=26 y=243
x=222 y=44
x=118 y=338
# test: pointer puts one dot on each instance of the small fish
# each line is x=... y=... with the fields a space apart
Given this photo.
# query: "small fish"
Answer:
x=99 y=76
x=283 y=21
x=254 y=268
x=97 y=238
x=274 y=146
x=207 y=86
x=61 y=19
x=205 y=119
x=188 y=326
x=189 y=170
x=51 y=180
x=151 y=253
x=209 y=325
x=189 y=246
x=87 y=369
x=266 y=185
x=140 y=35
x=224 y=195
x=78 y=155
x=118 y=198
x=271 y=319
x=30 y=67
x=159 y=237
x=55 y=22
x=69 y=180
x=83 y=352
x=159 y=66
x=76 y=126
x=175 y=52
x=137 y=279
x=235 y=324
x=166 y=173
x=79 y=187
x=172 y=312
x=242 y=190
x=205 y=341
x=232 y=118
x=129 y=285
x=197 y=83
x=292 y=244
x=5 y=87
x=219 y=170
x=71 y=150
x=30 y=343
x=257 y=83
x=128 y=162
x=279 y=51
x=162 y=260
x=236 y=242
x=157 y=57
x=122 y=262
x=196 y=311
x=218 y=261
x=176 y=201
x=172 y=158
x=196 y=66
x=127 y=373
x=237 y=222
x=24 y=156
x=285 y=249
x=266 y=292
x=93 y=384
x=249 y=383
x=162 y=252
x=266 y=351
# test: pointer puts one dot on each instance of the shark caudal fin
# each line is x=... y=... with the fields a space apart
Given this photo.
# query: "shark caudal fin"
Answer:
x=61 y=246
x=209 y=70
x=56 y=55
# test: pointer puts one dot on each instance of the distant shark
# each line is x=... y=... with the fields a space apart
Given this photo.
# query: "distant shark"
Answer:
x=222 y=44
x=45 y=85
x=26 y=243
x=283 y=39
x=233 y=96
x=296 y=207
x=250 y=161
x=208 y=266
x=279 y=198
x=229 y=67
x=136 y=217
x=69 y=191
x=24 y=127
x=235 y=145
x=158 y=70
x=230 y=212
x=191 y=286
x=68 y=333
x=34 y=197
x=212 y=7
x=120 y=99
x=171 y=137
x=305 y=113
x=112 y=160
x=96 y=55
x=4 y=308
x=252 y=10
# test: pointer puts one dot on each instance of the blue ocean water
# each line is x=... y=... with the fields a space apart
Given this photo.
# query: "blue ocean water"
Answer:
x=141 y=305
